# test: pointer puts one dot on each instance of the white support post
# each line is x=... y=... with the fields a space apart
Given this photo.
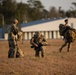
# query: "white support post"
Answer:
x=46 y=35
x=54 y=34
x=50 y=34
x=42 y=33
x=25 y=35
x=29 y=35
x=59 y=35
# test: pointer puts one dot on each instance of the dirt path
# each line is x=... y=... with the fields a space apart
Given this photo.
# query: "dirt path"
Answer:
x=54 y=63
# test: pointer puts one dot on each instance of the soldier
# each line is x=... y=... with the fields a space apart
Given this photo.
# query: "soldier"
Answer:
x=66 y=22
x=64 y=28
x=38 y=42
x=68 y=33
x=67 y=27
x=14 y=50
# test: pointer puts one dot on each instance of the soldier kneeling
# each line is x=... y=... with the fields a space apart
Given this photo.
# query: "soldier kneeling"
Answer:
x=38 y=42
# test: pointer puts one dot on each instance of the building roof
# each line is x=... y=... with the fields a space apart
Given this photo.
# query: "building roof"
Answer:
x=39 y=22
x=1 y=32
x=46 y=25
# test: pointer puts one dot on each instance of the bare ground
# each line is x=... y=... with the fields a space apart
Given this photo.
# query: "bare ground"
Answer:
x=54 y=63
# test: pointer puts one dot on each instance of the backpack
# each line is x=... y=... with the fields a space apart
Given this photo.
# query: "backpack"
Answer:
x=70 y=36
x=61 y=28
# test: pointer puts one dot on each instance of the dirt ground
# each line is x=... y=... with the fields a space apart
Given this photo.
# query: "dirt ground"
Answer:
x=54 y=62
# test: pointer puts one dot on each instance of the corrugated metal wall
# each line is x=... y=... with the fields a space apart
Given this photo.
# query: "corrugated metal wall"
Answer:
x=1 y=33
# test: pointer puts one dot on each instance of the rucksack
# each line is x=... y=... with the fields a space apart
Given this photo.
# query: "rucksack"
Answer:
x=70 y=36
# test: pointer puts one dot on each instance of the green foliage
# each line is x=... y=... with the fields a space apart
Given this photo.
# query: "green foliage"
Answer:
x=8 y=9
x=72 y=12
x=53 y=12
x=35 y=7
x=33 y=10
x=35 y=4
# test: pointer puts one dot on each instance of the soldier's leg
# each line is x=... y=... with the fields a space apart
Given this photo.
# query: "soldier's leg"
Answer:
x=37 y=52
x=42 y=51
x=11 y=50
x=68 y=47
x=62 y=46
x=19 y=52
x=9 y=53
x=15 y=51
x=15 y=46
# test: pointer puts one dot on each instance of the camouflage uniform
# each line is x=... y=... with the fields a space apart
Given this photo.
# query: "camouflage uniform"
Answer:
x=67 y=27
x=68 y=33
x=14 y=50
x=38 y=42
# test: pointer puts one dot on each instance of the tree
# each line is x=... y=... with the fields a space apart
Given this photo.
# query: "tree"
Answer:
x=8 y=9
x=72 y=13
x=11 y=9
x=45 y=14
x=53 y=13
x=74 y=3
x=21 y=12
x=35 y=10
x=61 y=12
x=35 y=4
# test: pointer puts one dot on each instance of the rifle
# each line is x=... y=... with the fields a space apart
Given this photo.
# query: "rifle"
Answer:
x=40 y=44
x=47 y=45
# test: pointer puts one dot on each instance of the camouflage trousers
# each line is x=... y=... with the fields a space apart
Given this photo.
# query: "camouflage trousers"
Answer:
x=14 y=51
x=39 y=51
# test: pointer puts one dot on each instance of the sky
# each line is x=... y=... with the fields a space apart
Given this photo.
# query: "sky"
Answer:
x=65 y=4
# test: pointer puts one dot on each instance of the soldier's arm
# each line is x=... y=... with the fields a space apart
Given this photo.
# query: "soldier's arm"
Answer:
x=32 y=42
x=15 y=29
x=44 y=41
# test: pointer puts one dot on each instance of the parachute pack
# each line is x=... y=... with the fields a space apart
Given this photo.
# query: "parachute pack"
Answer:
x=70 y=35
x=61 y=28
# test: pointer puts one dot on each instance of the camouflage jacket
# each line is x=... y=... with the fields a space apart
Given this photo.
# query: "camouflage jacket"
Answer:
x=40 y=40
x=12 y=32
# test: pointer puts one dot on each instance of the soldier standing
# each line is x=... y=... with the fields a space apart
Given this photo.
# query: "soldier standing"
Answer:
x=38 y=42
x=14 y=50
